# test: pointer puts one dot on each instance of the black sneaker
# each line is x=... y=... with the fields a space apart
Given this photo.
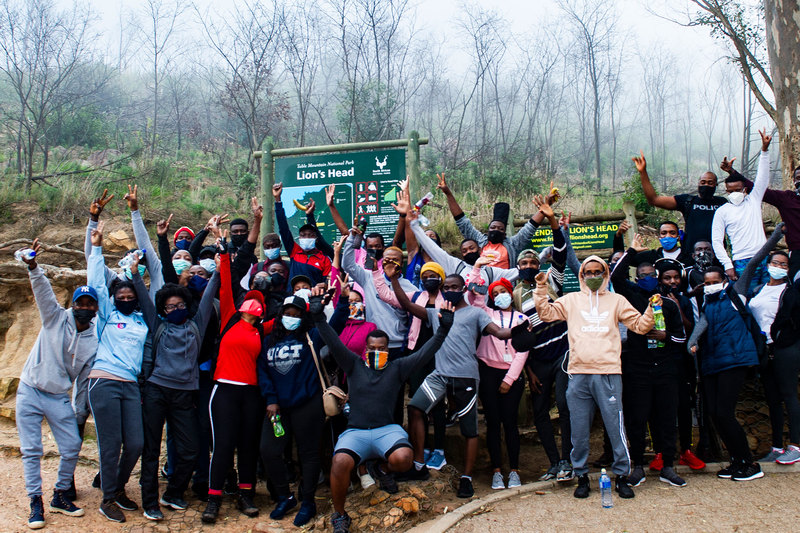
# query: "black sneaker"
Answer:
x=385 y=481
x=623 y=487
x=747 y=472
x=283 y=507
x=212 y=510
x=412 y=474
x=71 y=493
x=110 y=510
x=164 y=471
x=244 y=502
x=96 y=481
x=465 y=489
x=668 y=475
x=36 y=518
x=726 y=472
x=61 y=504
x=125 y=503
x=173 y=502
x=307 y=511
x=583 y=489
x=637 y=476
x=340 y=523
x=154 y=514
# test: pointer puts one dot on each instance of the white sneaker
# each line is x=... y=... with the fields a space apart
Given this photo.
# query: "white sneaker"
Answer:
x=497 y=481
x=513 y=480
x=366 y=481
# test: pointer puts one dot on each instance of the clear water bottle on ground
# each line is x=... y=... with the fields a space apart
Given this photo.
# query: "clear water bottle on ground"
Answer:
x=605 y=490
x=24 y=254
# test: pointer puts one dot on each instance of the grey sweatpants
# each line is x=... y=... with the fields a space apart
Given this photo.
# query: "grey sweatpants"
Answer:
x=32 y=406
x=585 y=393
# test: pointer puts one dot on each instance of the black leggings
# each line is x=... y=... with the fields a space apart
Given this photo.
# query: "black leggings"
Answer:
x=722 y=394
x=305 y=423
x=651 y=393
x=553 y=378
x=500 y=409
x=236 y=413
x=780 y=385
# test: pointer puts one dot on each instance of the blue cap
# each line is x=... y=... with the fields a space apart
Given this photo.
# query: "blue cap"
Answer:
x=84 y=290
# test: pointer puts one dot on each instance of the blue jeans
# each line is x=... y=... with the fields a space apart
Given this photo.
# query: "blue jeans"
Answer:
x=760 y=276
x=32 y=406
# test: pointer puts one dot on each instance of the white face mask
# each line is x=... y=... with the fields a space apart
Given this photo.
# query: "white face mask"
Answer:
x=503 y=301
x=713 y=289
x=305 y=294
x=272 y=253
x=736 y=197
x=307 y=243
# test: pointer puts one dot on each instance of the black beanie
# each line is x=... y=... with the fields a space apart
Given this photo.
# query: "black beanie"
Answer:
x=501 y=210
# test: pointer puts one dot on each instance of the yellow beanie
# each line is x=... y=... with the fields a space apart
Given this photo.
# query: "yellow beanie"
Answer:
x=434 y=267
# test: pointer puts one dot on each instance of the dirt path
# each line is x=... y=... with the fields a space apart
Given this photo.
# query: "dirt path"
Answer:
x=706 y=504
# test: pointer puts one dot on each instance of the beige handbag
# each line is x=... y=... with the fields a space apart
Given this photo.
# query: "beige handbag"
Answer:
x=333 y=398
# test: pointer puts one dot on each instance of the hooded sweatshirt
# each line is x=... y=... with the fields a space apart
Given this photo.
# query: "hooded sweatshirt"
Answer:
x=61 y=353
x=593 y=323
x=287 y=373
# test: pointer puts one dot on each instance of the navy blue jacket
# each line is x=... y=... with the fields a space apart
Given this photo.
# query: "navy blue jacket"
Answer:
x=287 y=374
x=728 y=341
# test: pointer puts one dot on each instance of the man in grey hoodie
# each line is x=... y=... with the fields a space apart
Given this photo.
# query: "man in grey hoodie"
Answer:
x=63 y=355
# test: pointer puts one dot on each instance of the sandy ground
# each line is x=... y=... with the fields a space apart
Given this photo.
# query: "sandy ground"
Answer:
x=705 y=504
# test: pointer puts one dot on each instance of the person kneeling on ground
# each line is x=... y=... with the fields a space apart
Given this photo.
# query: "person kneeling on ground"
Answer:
x=372 y=433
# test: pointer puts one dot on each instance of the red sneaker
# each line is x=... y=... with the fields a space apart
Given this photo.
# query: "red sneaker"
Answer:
x=657 y=464
x=691 y=460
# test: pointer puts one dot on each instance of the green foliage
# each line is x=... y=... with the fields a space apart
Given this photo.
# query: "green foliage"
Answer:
x=85 y=127
x=634 y=193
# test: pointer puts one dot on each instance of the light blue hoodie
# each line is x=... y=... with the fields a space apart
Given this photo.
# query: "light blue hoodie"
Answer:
x=121 y=337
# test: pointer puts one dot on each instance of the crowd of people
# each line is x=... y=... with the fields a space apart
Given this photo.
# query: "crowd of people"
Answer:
x=304 y=353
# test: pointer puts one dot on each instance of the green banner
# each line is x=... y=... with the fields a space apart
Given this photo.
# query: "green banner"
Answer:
x=366 y=184
x=590 y=237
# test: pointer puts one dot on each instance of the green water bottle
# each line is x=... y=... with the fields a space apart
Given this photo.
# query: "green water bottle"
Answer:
x=658 y=318
x=277 y=427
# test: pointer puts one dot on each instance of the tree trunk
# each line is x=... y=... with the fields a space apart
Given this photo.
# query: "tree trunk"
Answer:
x=783 y=43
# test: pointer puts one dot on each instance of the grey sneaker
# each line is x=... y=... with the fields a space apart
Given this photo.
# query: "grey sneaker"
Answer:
x=773 y=454
x=497 y=481
x=513 y=480
x=668 y=475
x=637 y=476
x=790 y=457
x=551 y=473
x=565 y=472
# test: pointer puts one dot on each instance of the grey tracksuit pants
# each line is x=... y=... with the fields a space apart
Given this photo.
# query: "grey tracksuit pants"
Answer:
x=585 y=393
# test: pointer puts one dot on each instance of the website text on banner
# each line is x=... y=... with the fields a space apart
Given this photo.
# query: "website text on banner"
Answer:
x=366 y=184
x=590 y=237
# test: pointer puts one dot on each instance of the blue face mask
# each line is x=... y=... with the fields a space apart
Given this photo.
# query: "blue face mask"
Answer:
x=178 y=316
x=272 y=253
x=503 y=301
x=198 y=283
x=128 y=274
x=209 y=265
x=307 y=244
x=777 y=272
x=291 y=323
x=183 y=244
x=649 y=283
x=668 y=243
x=180 y=265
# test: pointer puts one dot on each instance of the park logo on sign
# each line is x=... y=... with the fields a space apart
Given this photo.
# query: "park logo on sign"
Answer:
x=381 y=164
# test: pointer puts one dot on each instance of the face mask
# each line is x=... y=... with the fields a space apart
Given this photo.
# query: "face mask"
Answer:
x=777 y=272
x=471 y=257
x=431 y=284
x=706 y=192
x=668 y=243
x=594 y=284
x=708 y=290
x=180 y=265
x=454 y=297
x=291 y=323
x=183 y=244
x=261 y=283
x=305 y=294
x=528 y=274
x=209 y=265
x=238 y=240
x=376 y=359
x=702 y=260
x=128 y=274
x=496 y=236
x=277 y=280
x=649 y=283
x=198 y=283
x=83 y=316
x=377 y=252
x=126 y=307
x=307 y=244
x=177 y=316
x=503 y=301
x=357 y=311
x=272 y=253
x=736 y=198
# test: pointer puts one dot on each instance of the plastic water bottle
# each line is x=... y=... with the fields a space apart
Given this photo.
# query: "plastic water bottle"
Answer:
x=660 y=325
x=605 y=490
x=346 y=410
x=26 y=254
x=277 y=427
x=422 y=202
x=128 y=259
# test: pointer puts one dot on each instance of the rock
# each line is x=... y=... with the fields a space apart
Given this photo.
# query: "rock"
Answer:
x=8 y=412
x=394 y=511
x=363 y=523
x=8 y=387
x=319 y=524
x=375 y=521
x=261 y=527
x=379 y=497
x=389 y=520
x=120 y=241
x=409 y=504
x=417 y=493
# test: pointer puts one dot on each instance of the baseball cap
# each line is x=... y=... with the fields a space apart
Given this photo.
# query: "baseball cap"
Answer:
x=84 y=290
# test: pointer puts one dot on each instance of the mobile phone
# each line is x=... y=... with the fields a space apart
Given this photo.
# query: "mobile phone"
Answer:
x=369 y=261
x=480 y=289
x=362 y=224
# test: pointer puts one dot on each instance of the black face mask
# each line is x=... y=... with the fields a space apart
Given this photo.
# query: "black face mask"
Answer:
x=126 y=307
x=83 y=316
x=528 y=274
x=496 y=236
x=454 y=297
x=706 y=192
x=377 y=252
x=702 y=260
x=238 y=240
x=431 y=284
x=471 y=257
x=261 y=284
x=277 y=280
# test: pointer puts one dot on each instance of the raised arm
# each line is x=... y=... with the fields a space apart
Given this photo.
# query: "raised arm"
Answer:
x=205 y=309
x=95 y=275
x=227 y=307
x=330 y=199
x=49 y=308
x=162 y=227
x=143 y=240
x=743 y=283
x=450 y=264
x=635 y=321
x=762 y=175
x=664 y=202
x=718 y=242
x=455 y=209
x=345 y=358
x=404 y=301
x=283 y=224
x=547 y=311
x=145 y=303
x=321 y=243
x=572 y=260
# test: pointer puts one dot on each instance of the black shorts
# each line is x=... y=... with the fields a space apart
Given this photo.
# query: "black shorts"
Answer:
x=462 y=391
